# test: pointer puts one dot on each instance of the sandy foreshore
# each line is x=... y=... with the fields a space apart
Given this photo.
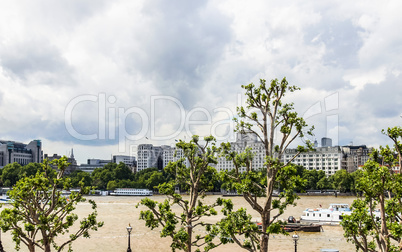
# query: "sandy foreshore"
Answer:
x=118 y=211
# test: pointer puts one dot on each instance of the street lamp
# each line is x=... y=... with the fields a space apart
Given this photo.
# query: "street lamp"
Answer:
x=295 y=237
x=129 y=228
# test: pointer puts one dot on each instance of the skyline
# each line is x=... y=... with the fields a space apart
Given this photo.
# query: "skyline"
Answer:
x=71 y=67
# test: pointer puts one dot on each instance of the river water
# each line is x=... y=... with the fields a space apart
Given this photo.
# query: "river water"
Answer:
x=118 y=211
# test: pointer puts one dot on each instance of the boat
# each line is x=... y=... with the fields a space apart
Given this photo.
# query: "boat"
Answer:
x=131 y=192
x=5 y=199
x=311 y=227
x=332 y=215
x=292 y=225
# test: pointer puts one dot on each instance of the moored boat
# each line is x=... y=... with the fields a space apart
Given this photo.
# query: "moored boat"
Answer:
x=332 y=215
x=5 y=199
x=131 y=192
x=291 y=227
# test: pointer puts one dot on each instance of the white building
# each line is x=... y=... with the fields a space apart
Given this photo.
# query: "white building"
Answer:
x=93 y=163
x=128 y=160
x=149 y=156
x=327 y=159
x=244 y=141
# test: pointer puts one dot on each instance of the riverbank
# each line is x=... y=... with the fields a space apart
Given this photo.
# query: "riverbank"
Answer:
x=118 y=212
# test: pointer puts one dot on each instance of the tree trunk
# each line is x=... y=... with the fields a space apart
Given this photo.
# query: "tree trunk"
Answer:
x=190 y=234
x=384 y=230
x=264 y=242
x=47 y=248
x=31 y=247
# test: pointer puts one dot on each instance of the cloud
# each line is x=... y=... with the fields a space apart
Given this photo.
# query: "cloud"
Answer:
x=129 y=52
x=35 y=62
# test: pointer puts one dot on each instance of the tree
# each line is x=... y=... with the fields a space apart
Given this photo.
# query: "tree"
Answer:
x=29 y=170
x=193 y=179
x=323 y=183
x=78 y=176
x=10 y=174
x=342 y=181
x=39 y=212
x=267 y=117
x=313 y=177
x=382 y=189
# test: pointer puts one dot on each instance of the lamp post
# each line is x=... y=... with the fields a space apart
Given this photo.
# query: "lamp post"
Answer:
x=295 y=237
x=129 y=228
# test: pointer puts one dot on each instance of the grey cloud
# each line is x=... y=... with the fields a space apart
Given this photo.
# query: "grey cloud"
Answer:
x=383 y=100
x=181 y=46
x=24 y=59
x=341 y=39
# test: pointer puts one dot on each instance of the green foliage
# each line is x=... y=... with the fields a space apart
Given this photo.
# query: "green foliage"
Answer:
x=39 y=212
x=112 y=171
x=342 y=181
x=265 y=116
x=313 y=177
x=195 y=179
x=78 y=177
x=382 y=190
x=10 y=174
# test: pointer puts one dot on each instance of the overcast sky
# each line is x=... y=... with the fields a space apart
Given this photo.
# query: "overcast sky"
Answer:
x=104 y=76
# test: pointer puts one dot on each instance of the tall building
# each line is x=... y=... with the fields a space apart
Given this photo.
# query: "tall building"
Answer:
x=172 y=154
x=150 y=156
x=11 y=151
x=326 y=142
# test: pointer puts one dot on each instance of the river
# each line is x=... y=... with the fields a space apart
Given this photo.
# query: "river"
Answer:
x=118 y=211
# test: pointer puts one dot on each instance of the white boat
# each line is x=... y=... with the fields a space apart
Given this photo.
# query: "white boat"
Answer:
x=131 y=192
x=332 y=215
x=5 y=199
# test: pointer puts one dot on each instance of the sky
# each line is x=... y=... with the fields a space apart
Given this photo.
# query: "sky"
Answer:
x=102 y=77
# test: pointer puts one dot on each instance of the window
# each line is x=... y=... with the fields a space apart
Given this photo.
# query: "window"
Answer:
x=328 y=215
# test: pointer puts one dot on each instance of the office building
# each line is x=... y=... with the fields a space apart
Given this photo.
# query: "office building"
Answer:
x=93 y=163
x=327 y=159
x=23 y=154
x=150 y=156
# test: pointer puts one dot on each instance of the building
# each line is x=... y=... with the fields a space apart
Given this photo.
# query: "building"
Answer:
x=244 y=141
x=172 y=154
x=150 y=156
x=73 y=163
x=355 y=156
x=93 y=163
x=11 y=151
x=326 y=142
x=327 y=159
